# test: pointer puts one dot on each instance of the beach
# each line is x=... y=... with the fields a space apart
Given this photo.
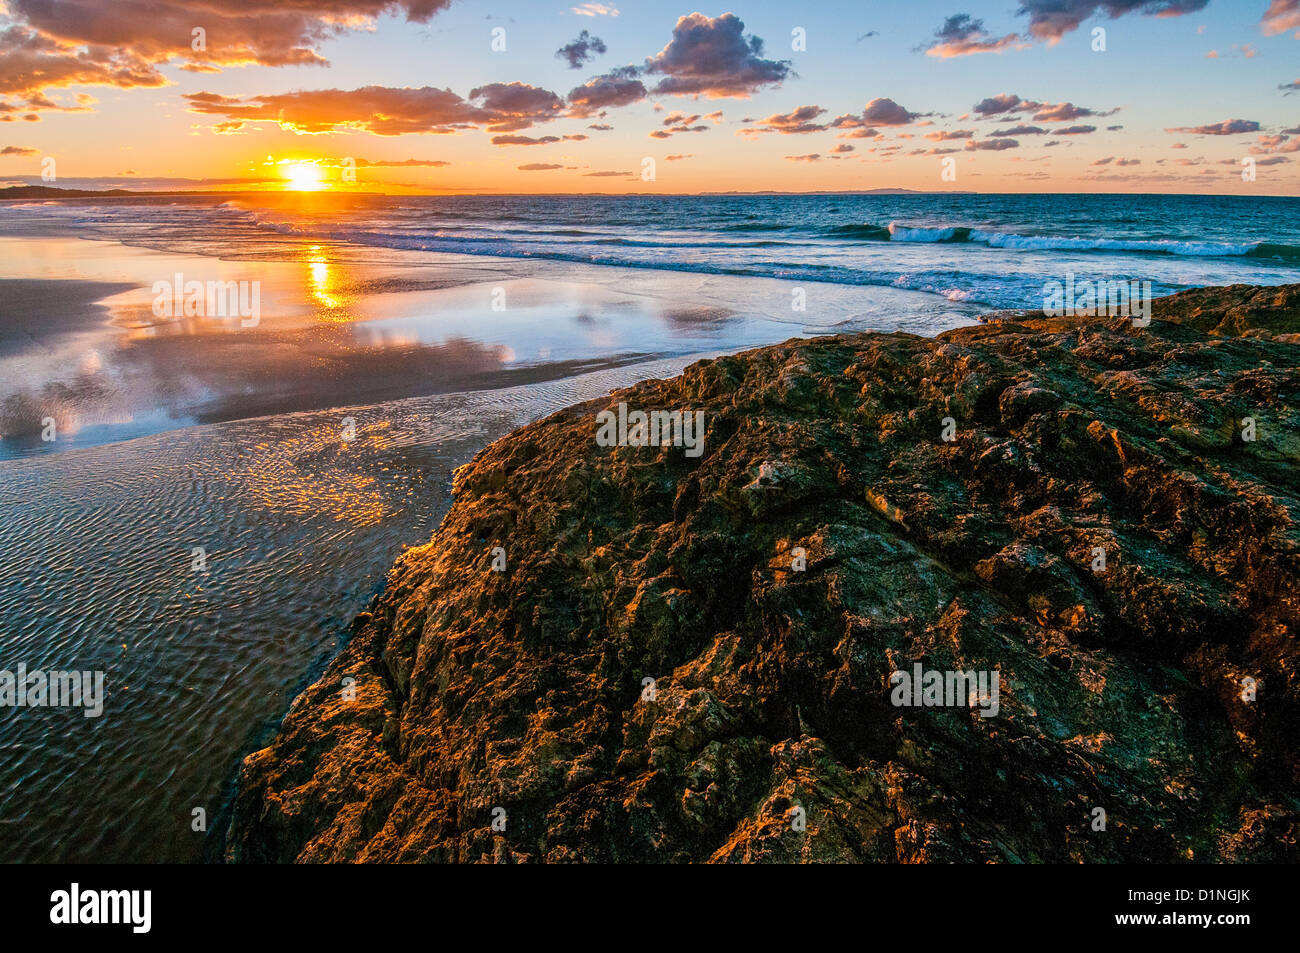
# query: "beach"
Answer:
x=300 y=456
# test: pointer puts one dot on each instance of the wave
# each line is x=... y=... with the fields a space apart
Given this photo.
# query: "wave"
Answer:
x=919 y=234
x=1275 y=250
x=903 y=233
x=871 y=233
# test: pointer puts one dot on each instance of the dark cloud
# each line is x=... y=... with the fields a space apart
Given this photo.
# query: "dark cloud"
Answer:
x=1074 y=130
x=389 y=111
x=712 y=57
x=515 y=106
x=1020 y=131
x=1229 y=127
x=1008 y=104
x=1289 y=88
x=619 y=87
x=1052 y=19
x=1003 y=103
x=517 y=140
x=962 y=35
x=993 y=145
x=948 y=135
x=538 y=167
x=1064 y=112
x=59 y=43
x=878 y=112
x=18 y=151
x=585 y=47
x=796 y=122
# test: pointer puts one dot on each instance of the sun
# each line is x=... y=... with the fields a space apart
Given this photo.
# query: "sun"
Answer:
x=304 y=177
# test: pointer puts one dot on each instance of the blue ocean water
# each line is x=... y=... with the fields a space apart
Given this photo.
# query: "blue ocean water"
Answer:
x=994 y=250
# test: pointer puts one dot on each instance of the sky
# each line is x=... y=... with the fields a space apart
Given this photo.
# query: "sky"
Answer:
x=529 y=96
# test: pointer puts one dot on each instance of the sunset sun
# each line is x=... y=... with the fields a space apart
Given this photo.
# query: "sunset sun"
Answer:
x=303 y=177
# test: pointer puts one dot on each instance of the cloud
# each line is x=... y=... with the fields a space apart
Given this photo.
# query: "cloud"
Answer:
x=1290 y=87
x=712 y=57
x=886 y=112
x=517 y=140
x=1020 y=131
x=944 y=136
x=842 y=148
x=599 y=175
x=961 y=35
x=797 y=122
x=619 y=87
x=538 y=167
x=1274 y=144
x=666 y=133
x=18 y=151
x=1003 y=103
x=1064 y=112
x=1008 y=104
x=1229 y=127
x=59 y=43
x=680 y=122
x=399 y=163
x=515 y=106
x=601 y=127
x=578 y=52
x=1052 y=19
x=1074 y=130
x=389 y=111
x=993 y=145
x=878 y=112
x=595 y=10
x=1281 y=15
x=810 y=157
x=679 y=156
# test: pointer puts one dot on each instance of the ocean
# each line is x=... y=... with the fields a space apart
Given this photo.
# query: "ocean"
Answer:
x=993 y=250
x=379 y=320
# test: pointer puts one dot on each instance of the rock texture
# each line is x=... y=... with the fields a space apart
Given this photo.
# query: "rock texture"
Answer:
x=1121 y=687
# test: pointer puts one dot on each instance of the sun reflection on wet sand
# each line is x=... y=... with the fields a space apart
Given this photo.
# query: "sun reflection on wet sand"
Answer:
x=325 y=288
x=309 y=474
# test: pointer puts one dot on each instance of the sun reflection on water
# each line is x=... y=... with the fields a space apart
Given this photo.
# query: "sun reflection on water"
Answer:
x=325 y=287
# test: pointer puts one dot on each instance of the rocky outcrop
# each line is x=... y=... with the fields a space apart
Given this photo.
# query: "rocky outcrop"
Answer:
x=1101 y=531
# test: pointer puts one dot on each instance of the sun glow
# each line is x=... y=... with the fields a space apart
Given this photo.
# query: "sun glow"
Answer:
x=304 y=177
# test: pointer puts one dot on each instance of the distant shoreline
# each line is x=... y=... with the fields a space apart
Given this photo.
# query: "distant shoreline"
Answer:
x=25 y=192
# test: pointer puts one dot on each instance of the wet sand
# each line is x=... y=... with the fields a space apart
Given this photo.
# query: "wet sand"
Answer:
x=336 y=324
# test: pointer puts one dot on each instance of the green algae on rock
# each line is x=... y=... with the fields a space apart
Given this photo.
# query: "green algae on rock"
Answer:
x=684 y=654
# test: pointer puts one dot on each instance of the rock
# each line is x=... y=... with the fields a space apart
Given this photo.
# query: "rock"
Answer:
x=657 y=676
